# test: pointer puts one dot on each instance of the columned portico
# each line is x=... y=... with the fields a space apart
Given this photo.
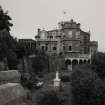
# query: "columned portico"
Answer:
x=69 y=62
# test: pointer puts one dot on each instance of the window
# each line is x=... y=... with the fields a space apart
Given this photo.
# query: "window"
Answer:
x=54 y=48
x=51 y=37
x=77 y=34
x=70 y=48
x=85 y=50
x=86 y=39
x=48 y=36
x=63 y=47
x=43 y=35
x=46 y=48
x=42 y=48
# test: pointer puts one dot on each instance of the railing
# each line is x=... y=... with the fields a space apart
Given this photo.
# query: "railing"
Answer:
x=46 y=39
x=72 y=55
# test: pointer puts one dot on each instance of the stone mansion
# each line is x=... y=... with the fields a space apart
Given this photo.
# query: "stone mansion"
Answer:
x=68 y=40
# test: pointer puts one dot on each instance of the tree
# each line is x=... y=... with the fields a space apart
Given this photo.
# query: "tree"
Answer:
x=50 y=98
x=12 y=59
x=5 y=20
x=98 y=64
x=8 y=45
x=20 y=51
x=87 y=87
x=40 y=63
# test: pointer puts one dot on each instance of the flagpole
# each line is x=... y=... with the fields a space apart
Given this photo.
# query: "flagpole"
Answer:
x=64 y=14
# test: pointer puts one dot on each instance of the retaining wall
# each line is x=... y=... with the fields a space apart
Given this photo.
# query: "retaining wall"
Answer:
x=9 y=76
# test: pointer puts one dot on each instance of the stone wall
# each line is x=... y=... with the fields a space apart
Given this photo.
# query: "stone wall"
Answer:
x=3 y=66
x=12 y=94
x=11 y=91
x=12 y=76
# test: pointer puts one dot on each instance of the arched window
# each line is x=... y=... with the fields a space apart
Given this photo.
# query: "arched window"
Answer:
x=54 y=48
x=42 y=48
x=70 y=48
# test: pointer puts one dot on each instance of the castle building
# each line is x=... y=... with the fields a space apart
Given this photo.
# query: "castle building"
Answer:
x=68 y=40
x=27 y=43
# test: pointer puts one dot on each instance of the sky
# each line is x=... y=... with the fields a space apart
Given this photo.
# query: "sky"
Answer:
x=29 y=15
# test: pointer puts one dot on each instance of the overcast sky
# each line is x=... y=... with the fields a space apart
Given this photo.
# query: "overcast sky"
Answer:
x=28 y=15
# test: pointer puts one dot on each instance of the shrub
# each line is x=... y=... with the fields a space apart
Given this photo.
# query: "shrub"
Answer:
x=40 y=63
x=65 y=78
x=50 y=98
x=87 y=87
x=98 y=64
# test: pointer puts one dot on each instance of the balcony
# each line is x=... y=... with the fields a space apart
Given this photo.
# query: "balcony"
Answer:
x=77 y=55
x=47 y=40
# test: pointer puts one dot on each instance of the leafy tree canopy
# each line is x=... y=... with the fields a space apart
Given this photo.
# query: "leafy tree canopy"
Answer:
x=50 y=97
x=98 y=64
x=5 y=20
x=40 y=62
x=87 y=87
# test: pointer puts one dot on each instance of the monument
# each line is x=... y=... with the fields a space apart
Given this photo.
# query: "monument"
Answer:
x=57 y=80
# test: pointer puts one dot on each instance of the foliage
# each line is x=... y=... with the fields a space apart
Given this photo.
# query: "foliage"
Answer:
x=12 y=59
x=20 y=52
x=98 y=64
x=27 y=80
x=5 y=20
x=65 y=78
x=40 y=63
x=50 y=98
x=8 y=46
x=87 y=87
